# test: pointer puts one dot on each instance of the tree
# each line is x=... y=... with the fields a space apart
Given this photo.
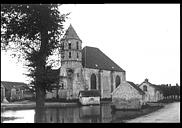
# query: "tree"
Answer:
x=33 y=32
x=177 y=90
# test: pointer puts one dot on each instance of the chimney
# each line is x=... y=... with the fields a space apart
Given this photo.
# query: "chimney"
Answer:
x=146 y=80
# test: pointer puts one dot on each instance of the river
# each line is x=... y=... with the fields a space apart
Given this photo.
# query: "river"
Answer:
x=79 y=114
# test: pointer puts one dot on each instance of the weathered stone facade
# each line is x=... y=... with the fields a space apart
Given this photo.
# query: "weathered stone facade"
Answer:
x=152 y=92
x=125 y=96
x=105 y=80
x=75 y=77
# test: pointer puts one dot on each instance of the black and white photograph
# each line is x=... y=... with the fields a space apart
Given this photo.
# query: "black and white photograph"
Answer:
x=90 y=63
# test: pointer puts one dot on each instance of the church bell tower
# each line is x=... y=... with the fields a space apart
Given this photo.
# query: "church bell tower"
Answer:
x=71 y=48
x=71 y=62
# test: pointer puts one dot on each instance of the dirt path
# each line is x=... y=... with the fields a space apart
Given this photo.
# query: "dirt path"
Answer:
x=169 y=114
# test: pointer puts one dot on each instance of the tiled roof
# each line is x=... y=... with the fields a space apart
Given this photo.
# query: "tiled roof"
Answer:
x=157 y=87
x=94 y=58
x=88 y=93
x=10 y=85
x=136 y=87
x=71 y=33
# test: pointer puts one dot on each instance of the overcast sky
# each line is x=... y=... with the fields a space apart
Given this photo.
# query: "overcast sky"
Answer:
x=143 y=39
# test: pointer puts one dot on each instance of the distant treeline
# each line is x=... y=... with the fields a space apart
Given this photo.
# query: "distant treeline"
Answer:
x=169 y=90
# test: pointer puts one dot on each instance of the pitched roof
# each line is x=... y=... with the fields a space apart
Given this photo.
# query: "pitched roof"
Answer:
x=88 y=93
x=71 y=33
x=94 y=58
x=136 y=87
x=10 y=85
x=157 y=87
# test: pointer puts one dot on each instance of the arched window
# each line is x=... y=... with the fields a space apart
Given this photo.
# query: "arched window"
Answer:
x=93 y=81
x=77 y=55
x=77 y=46
x=118 y=81
x=145 y=88
x=69 y=54
x=69 y=46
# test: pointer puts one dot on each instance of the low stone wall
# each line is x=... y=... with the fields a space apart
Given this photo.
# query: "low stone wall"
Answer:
x=120 y=103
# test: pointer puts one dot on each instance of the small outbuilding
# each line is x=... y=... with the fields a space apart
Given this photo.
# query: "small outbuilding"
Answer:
x=127 y=96
x=89 y=97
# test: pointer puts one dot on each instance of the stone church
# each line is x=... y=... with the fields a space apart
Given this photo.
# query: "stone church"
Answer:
x=86 y=68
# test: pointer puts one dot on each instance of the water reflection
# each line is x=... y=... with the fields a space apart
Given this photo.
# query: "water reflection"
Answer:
x=20 y=116
x=82 y=114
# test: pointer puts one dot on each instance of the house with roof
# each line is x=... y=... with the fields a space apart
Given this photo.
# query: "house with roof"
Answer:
x=85 y=69
x=15 y=91
x=128 y=96
x=153 y=93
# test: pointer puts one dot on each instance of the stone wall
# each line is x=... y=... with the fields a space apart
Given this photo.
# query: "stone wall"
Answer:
x=126 y=97
x=73 y=83
x=105 y=84
x=121 y=75
x=126 y=91
x=73 y=55
x=70 y=64
x=87 y=72
x=151 y=95
x=73 y=44
x=108 y=80
x=73 y=50
x=81 y=77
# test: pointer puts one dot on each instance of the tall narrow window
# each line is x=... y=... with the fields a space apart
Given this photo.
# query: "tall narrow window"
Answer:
x=69 y=54
x=118 y=80
x=77 y=55
x=69 y=46
x=77 y=45
x=93 y=81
